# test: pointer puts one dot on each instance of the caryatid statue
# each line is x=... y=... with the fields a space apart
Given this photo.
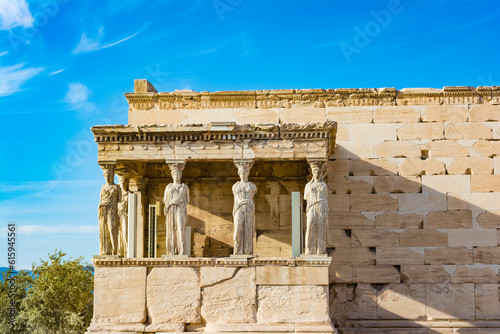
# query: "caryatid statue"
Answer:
x=176 y=200
x=244 y=209
x=123 y=215
x=316 y=195
x=108 y=213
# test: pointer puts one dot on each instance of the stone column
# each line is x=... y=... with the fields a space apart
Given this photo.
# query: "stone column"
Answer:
x=138 y=187
x=316 y=195
x=123 y=181
x=243 y=209
x=176 y=199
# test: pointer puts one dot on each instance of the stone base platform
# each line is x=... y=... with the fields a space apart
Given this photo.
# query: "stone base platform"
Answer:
x=419 y=327
x=211 y=295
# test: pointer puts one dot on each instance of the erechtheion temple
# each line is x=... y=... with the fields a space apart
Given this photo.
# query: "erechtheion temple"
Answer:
x=310 y=210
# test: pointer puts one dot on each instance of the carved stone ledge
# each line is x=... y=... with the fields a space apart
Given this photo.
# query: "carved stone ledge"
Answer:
x=147 y=98
x=212 y=262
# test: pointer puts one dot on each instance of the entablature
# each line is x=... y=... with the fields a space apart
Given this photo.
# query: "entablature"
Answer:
x=216 y=141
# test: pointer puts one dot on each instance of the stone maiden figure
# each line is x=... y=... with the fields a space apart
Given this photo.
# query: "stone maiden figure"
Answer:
x=244 y=210
x=123 y=215
x=176 y=200
x=316 y=195
x=108 y=213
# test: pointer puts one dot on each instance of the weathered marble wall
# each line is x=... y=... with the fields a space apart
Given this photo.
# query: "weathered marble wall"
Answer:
x=414 y=203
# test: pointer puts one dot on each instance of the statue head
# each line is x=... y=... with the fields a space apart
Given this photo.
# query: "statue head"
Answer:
x=123 y=181
x=243 y=168
x=176 y=169
x=318 y=169
x=108 y=172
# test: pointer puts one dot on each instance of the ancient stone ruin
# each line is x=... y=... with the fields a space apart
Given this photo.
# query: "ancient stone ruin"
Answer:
x=311 y=211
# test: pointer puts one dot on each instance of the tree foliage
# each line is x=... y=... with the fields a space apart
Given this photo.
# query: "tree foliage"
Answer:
x=57 y=298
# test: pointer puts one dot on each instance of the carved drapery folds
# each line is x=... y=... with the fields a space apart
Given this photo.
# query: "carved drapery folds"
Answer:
x=244 y=209
x=316 y=195
x=176 y=200
x=123 y=181
x=109 y=226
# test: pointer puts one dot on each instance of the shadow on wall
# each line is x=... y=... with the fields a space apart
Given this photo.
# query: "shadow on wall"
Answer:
x=414 y=244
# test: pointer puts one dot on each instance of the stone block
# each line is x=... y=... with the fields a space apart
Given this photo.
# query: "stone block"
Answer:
x=348 y=115
x=448 y=255
x=489 y=219
x=340 y=274
x=397 y=184
x=351 y=184
x=402 y=301
x=433 y=201
x=398 y=220
x=466 y=130
x=277 y=275
x=448 y=219
x=398 y=256
x=375 y=274
x=423 y=238
x=496 y=165
x=419 y=131
x=476 y=273
x=424 y=274
x=292 y=304
x=478 y=166
x=445 y=113
x=120 y=295
x=353 y=302
x=450 y=301
x=368 y=132
x=377 y=166
x=416 y=166
x=374 y=202
x=173 y=295
x=487 y=301
x=473 y=201
x=254 y=116
x=484 y=113
x=338 y=238
x=214 y=275
x=231 y=301
x=487 y=148
x=396 y=114
x=343 y=132
x=446 y=148
x=446 y=183
x=348 y=220
x=302 y=115
x=487 y=255
x=471 y=238
x=353 y=150
x=338 y=167
x=374 y=238
x=339 y=202
x=352 y=256
x=485 y=183
x=397 y=149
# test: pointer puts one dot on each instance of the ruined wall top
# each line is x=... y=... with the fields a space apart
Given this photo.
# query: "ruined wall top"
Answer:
x=146 y=97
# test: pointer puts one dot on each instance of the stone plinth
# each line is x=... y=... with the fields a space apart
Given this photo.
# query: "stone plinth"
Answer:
x=243 y=295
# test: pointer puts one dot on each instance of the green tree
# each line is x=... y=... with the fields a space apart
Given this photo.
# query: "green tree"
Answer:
x=16 y=292
x=60 y=300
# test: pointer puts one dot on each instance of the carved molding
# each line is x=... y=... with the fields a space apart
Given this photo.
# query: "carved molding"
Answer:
x=316 y=98
x=199 y=142
x=212 y=262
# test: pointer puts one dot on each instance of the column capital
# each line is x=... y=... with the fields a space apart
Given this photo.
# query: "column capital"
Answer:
x=138 y=184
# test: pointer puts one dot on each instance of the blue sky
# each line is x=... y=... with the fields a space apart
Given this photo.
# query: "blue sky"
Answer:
x=65 y=64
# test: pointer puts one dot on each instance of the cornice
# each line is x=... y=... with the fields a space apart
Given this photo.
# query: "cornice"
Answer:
x=315 y=98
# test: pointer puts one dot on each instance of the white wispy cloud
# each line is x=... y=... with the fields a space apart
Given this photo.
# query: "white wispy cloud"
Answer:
x=3 y=53
x=87 y=44
x=58 y=229
x=28 y=186
x=57 y=72
x=13 y=77
x=78 y=96
x=15 y=13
